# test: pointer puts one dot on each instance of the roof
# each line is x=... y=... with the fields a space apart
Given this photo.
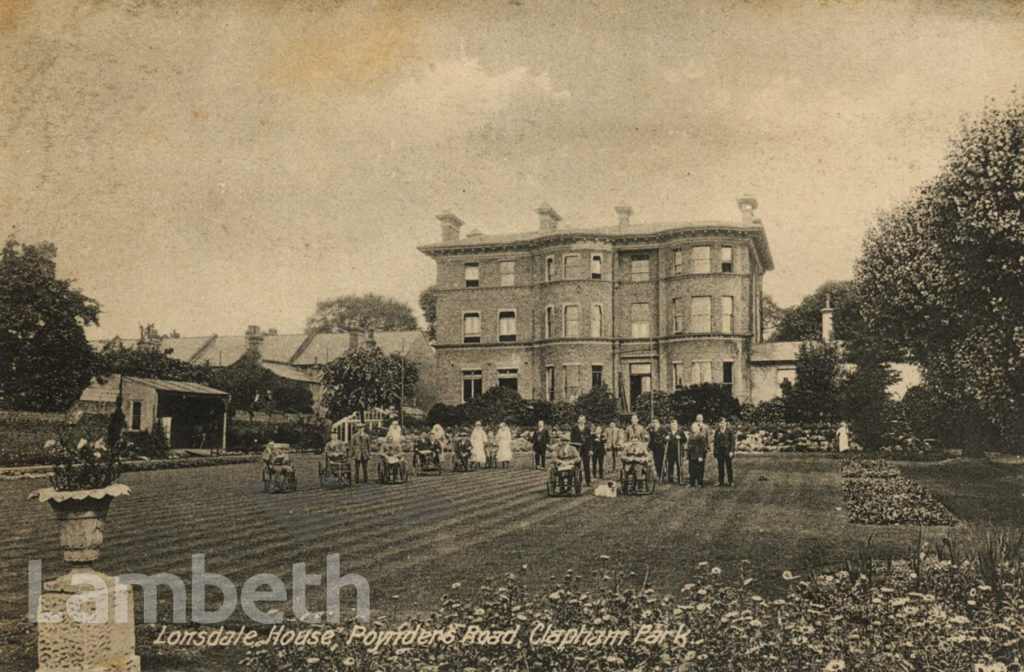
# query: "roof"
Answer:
x=611 y=233
x=287 y=350
x=289 y=372
x=107 y=391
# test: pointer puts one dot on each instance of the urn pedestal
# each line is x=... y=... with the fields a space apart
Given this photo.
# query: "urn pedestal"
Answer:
x=86 y=619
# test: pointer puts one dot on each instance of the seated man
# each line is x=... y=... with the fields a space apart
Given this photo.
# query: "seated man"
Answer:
x=567 y=452
x=276 y=457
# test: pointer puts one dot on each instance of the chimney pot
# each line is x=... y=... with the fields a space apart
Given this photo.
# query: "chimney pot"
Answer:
x=353 y=339
x=624 y=212
x=747 y=203
x=826 y=319
x=253 y=339
x=549 y=219
x=450 y=225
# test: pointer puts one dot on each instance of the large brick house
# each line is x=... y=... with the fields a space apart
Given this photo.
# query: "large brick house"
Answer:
x=555 y=311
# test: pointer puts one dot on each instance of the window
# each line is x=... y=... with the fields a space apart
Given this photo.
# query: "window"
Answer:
x=640 y=268
x=136 y=415
x=726 y=260
x=701 y=372
x=571 y=267
x=573 y=374
x=549 y=382
x=700 y=314
x=727 y=314
x=549 y=269
x=509 y=379
x=596 y=376
x=472 y=275
x=595 y=267
x=572 y=322
x=785 y=373
x=727 y=375
x=472 y=384
x=471 y=327
x=677 y=316
x=507 y=271
x=549 y=321
x=700 y=259
x=640 y=320
x=507 y=326
x=595 y=321
x=679 y=265
x=678 y=375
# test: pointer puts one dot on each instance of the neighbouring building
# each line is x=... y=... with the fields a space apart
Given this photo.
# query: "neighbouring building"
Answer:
x=555 y=311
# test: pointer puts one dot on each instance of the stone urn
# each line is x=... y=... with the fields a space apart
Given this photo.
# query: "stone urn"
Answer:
x=81 y=515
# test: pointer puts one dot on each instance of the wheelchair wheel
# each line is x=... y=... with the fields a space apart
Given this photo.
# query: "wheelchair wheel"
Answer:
x=552 y=484
x=403 y=473
x=381 y=477
x=417 y=466
x=320 y=473
x=578 y=484
x=291 y=482
x=266 y=479
x=651 y=483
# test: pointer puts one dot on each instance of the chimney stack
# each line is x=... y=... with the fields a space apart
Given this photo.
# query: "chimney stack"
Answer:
x=549 y=219
x=253 y=339
x=353 y=338
x=826 y=320
x=624 y=212
x=747 y=204
x=450 y=225
x=370 y=341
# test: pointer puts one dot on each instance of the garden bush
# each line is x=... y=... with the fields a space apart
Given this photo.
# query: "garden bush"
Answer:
x=252 y=436
x=925 y=613
x=785 y=437
x=23 y=435
x=877 y=494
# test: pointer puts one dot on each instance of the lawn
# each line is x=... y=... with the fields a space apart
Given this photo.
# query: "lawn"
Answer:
x=413 y=541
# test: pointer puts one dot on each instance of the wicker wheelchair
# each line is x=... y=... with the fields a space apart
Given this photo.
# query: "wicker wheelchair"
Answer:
x=460 y=455
x=391 y=469
x=335 y=468
x=426 y=458
x=637 y=475
x=565 y=477
x=278 y=472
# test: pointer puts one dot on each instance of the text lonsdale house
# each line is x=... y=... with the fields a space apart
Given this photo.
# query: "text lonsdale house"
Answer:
x=556 y=311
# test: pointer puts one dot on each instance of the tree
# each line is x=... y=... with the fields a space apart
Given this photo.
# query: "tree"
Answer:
x=598 y=405
x=711 y=400
x=250 y=385
x=144 y=362
x=365 y=378
x=369 y=311
x=663 y=407
x=864 y=397
x=428 y=304
x=814 y=395
x=942 y=275
x=771 y=315
x=45 y=359
x=498 y=404
x=803 y=321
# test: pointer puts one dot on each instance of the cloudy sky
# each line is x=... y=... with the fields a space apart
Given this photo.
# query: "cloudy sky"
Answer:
x=208 y=165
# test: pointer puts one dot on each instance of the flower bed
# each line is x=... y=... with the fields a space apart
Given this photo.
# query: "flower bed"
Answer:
x=785 y=437
x=869 y=469
x=893 y=501
x=929 y=615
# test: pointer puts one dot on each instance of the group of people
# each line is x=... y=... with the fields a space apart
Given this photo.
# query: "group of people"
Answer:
x=491 y=451
x=667 y=447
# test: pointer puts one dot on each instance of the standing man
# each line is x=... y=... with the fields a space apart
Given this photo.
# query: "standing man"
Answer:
x=541 y=439
x=656 y=444
x=674 y=448
x=613 y=440
x=635 y=431
x=697 y=450
x=725 y=446
x=361 y=449
x=600 y=441
x=582 y=437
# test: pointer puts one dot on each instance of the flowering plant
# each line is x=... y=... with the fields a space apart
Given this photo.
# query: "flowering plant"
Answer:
x=88 y=464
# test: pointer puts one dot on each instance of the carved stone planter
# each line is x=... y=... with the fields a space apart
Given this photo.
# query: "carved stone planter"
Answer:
x=81 y=515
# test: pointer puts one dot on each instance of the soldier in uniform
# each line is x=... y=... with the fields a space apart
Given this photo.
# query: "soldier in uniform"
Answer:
x=656 y=444
x=697 y=451
x=635 y=431
x=674 y=449
x=582 y=437
x=725 y=447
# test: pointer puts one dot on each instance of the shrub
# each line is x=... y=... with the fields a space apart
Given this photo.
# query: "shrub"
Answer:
x=598 y=405
x=711 y=400
x=444 y=415
x=151 y=444
x=498 y=404
x=768 y=412
x=251 y=436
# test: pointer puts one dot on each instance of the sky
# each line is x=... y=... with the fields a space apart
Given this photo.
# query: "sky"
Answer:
x=208 y=165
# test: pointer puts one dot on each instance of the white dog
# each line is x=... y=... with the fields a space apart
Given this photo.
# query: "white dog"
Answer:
x=607 y=489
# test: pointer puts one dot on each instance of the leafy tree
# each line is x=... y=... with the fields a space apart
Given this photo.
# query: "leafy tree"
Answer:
x=249 y=384
x=369 y=311
x=445 y=415
x=598 y=405
x=145 y=362
x=365 y=378
x=498 y=404
x=708 y=399
x=428 y=304
x=814 y=395
x=942 y=275
x=864 y=394
x=771 y=315
x=663 y=407
x=803 y=321
x=45 y=359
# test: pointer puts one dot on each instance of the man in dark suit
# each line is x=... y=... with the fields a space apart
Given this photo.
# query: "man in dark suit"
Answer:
x=541 y=440
x=582 y=437
x=656 y=444
x=725 y=447
x=674 y=448
x=697 y=451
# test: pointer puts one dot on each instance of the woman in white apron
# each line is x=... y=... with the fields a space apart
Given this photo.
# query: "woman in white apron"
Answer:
x=477 y=440
x=843 y=437
x=394 y=436
x=504 y=439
